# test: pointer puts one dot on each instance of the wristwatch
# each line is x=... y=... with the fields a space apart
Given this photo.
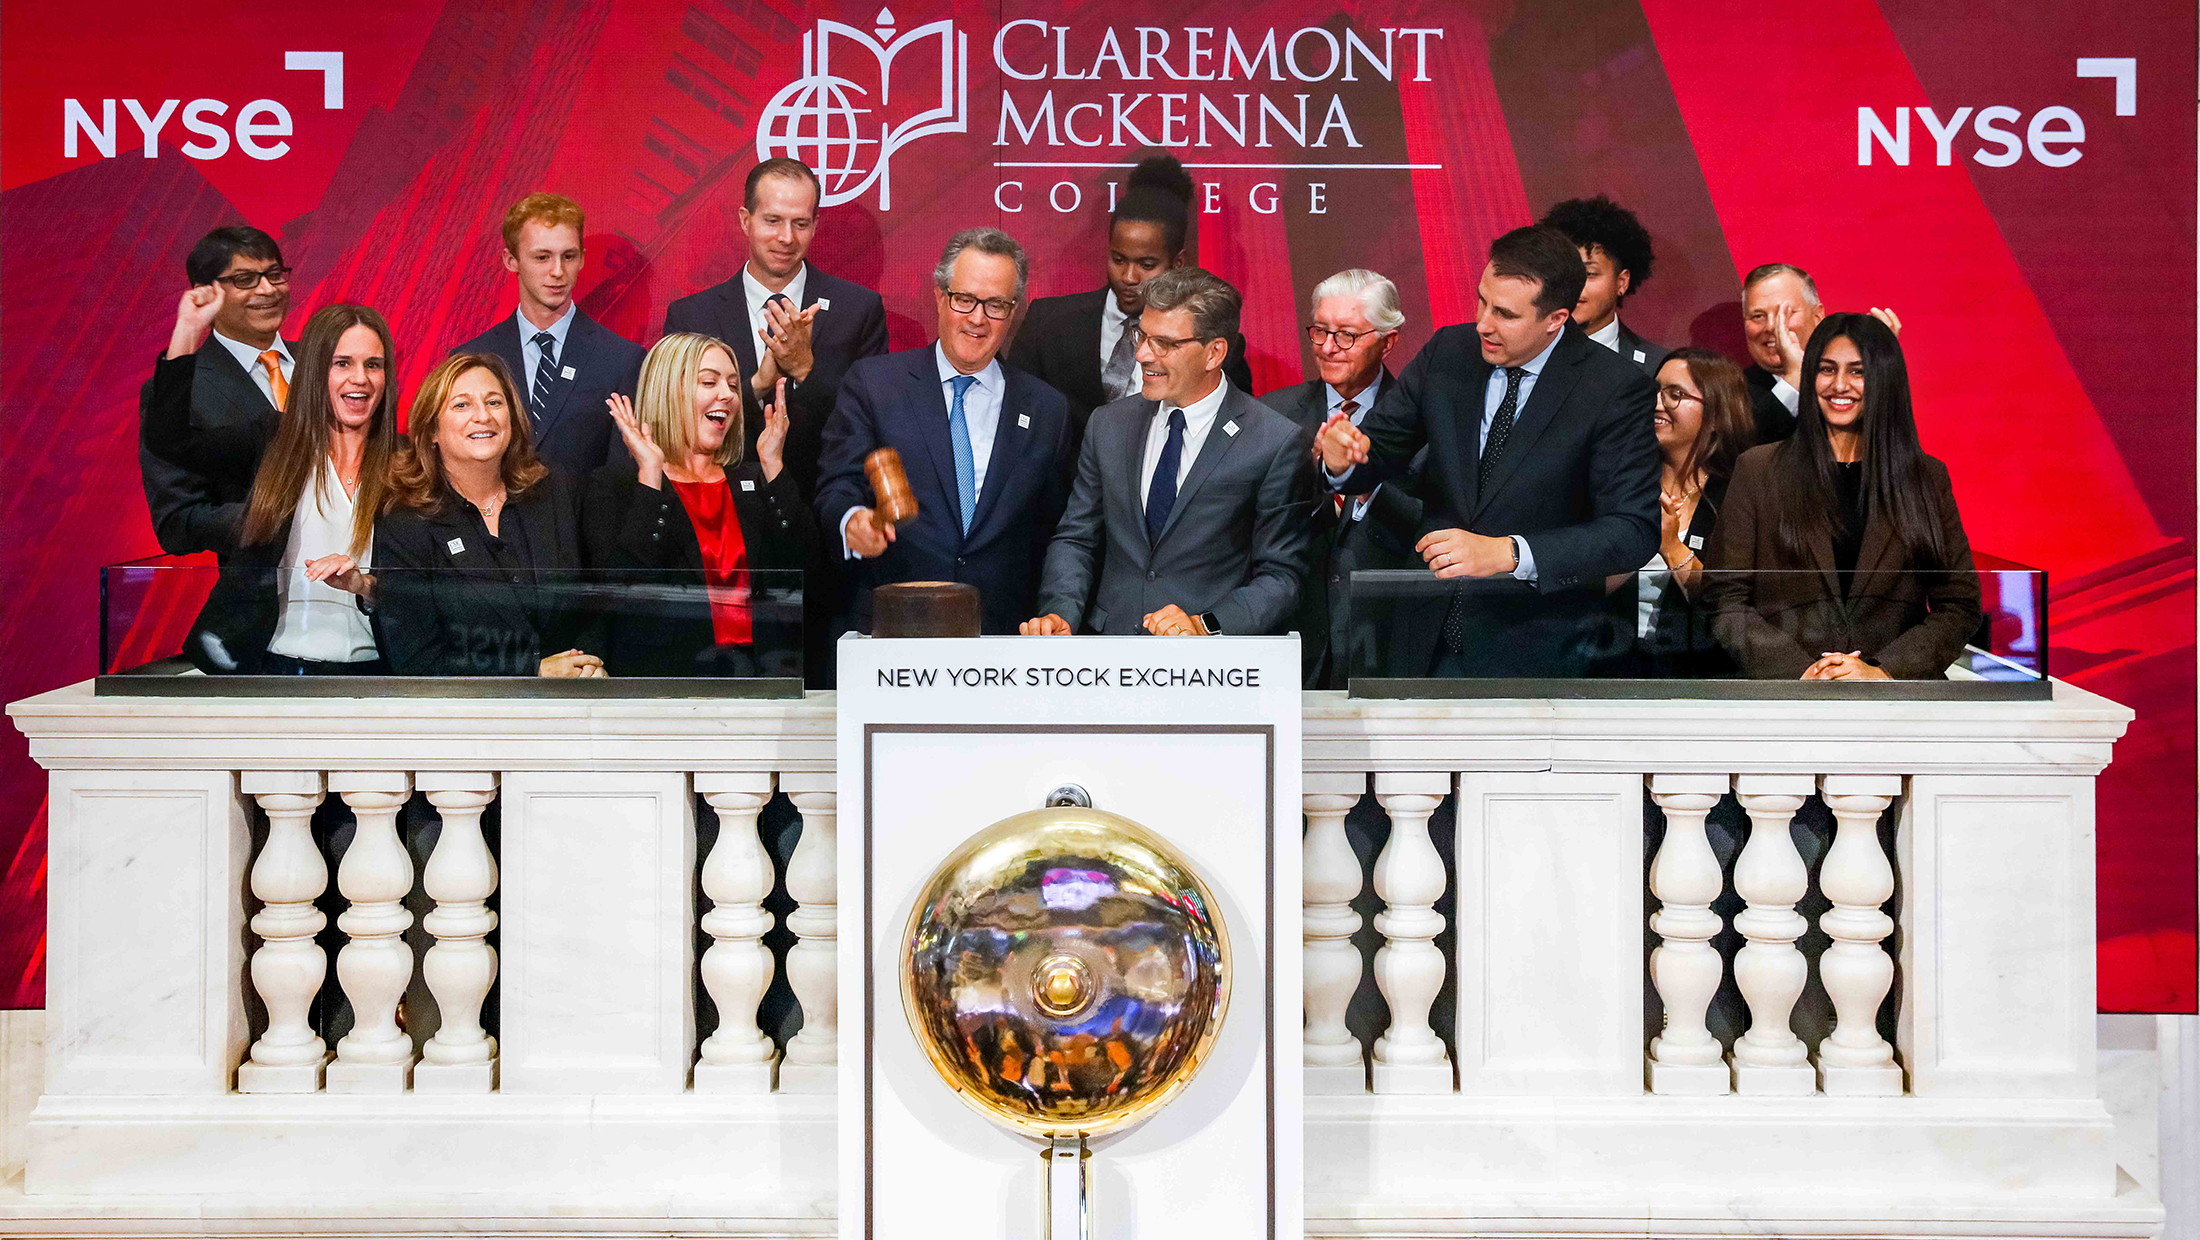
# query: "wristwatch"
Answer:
x=1213 y=625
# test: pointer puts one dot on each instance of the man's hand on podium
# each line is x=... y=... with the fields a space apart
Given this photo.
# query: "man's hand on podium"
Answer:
x=1049 y=625
x=1171 y=621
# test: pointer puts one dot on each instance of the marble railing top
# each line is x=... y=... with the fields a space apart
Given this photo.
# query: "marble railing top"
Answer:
x=2072 y=733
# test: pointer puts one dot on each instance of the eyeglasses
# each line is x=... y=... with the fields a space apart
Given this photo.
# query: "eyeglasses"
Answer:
x=1162 y=344
x=995 y=307
x=1345 y=339
x=1671 y=395
x=246 y=281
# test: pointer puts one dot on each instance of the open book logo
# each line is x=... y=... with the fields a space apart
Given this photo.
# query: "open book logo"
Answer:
x=847 y=131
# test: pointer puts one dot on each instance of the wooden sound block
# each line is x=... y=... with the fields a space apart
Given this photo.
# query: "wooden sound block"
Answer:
x=925 y=609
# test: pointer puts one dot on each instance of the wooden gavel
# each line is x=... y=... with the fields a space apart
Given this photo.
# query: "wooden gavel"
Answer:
x=894 y=502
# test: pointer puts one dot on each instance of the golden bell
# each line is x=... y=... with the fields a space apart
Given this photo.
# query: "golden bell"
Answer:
x=1066 y=971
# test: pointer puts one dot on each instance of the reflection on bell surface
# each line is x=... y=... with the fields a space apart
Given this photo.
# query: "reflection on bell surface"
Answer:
x=1066 y=972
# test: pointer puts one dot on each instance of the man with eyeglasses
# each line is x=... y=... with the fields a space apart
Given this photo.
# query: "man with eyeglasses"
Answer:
x=240 y=378
x=1354 y=327
x=985 y=447
x=1189 y=514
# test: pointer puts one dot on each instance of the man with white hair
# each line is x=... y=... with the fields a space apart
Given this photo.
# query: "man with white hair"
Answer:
x=1354 y=326
x=1779 y=305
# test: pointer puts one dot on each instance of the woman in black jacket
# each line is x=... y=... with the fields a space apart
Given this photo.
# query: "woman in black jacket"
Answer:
x=680 y=532
x=478 y=558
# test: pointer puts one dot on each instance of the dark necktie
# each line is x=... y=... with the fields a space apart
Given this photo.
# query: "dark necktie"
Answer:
x=765 y=325
x=1501 y=428
x=1161 y=492
x=1120 y=377
x=545 y=370
x=1348 y=408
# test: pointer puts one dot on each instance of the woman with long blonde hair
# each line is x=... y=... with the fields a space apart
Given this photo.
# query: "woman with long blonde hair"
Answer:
x=688 y=513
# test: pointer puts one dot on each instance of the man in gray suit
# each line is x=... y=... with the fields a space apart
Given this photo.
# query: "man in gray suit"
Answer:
x=1191 y=498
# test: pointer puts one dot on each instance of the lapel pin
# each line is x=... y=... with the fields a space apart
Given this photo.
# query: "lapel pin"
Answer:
x=1638 y=355
x=1023 y=421
x=748 y=484
x=823 y=303
x=1230 y=429
x=567 y=372
x=1695 y=542
x=456 y=546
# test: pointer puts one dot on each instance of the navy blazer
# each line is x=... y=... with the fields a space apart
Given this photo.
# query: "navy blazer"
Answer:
x=202 y=427
x=898 y=401
x=573 y=430
x=853 y=327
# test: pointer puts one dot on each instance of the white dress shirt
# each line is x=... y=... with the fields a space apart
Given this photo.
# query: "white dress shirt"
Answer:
x=1787 y=393
x=249 y=358
x=1199 y=418
x=1112 y=322
x=1608 y=335
x=318 y=621
x=757 y=295
x=530 y=353
x=981 y=413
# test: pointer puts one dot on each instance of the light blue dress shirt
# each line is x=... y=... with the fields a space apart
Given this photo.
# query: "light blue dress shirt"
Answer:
x=530 y=353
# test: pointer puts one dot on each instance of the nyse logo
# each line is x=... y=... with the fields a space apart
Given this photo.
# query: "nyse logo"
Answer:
x=259 y=126
x=827 y=120
x=2052 y=136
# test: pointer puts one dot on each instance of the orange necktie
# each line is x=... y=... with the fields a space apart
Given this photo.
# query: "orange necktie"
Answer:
x=275 y=381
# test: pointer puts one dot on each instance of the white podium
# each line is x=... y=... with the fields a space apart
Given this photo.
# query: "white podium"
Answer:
x=1196 y=739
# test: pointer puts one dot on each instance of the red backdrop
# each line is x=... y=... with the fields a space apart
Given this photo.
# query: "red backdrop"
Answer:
x=2049 y=301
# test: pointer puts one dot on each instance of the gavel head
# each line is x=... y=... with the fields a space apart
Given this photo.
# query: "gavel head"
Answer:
x=892 y=500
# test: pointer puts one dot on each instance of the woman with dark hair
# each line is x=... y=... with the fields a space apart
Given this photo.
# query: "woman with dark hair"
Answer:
x=1840 y=554
x=284 y=604
x=479 y=553
x=688 y=505
x=1704 y=425
x=1077 y=343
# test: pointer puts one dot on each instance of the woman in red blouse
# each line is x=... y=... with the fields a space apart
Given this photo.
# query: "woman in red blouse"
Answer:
x=701 y=520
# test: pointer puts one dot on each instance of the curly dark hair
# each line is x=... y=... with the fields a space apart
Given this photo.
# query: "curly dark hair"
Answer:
x=1610 y=227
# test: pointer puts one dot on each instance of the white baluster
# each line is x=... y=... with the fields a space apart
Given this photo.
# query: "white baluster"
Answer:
x=288 y=967
x=461 y=966
x=737 y=968
x=1770 y=876
x=376 y=965
x=1409 y=968
x=1335 y=1061
x=813 y=963
x=1685 y=1058
x=1857 y=879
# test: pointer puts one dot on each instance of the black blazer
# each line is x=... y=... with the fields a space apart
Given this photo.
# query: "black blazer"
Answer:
x=626 y=527
x=1774 y=421
x=1060 y=343
x=1578 y=479
x=1340 y=546
x=1681 y=643
x=446 y=612
x=898 y=401
x=1651 y=356
x=573 y=429
x=202 y=427
x=1911 y=623
x=854 y=327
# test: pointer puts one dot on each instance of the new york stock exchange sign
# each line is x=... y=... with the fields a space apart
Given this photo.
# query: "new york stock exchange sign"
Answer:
x=1078 y=103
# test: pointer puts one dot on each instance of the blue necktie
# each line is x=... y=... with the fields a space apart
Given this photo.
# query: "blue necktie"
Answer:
x=1161 y=492
x=966 y=465
x=546 y=366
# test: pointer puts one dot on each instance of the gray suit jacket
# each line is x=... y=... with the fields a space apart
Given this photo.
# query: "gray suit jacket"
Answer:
x=1236 y=541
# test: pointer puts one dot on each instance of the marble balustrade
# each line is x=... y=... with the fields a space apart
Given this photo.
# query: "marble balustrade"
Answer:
x=1862 y=932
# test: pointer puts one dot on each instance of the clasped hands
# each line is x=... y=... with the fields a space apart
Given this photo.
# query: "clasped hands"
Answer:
x=1834 y=665
x=787 y=351
x=1170 y=621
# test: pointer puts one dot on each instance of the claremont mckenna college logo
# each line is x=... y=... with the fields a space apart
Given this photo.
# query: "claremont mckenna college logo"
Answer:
x=819 y=120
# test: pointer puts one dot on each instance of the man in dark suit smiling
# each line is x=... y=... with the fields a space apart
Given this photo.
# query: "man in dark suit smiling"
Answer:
x=985 y=446
x=1542 y=470
x=566 y=363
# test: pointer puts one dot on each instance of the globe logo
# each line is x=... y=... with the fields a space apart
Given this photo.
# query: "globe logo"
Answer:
x=827 y=121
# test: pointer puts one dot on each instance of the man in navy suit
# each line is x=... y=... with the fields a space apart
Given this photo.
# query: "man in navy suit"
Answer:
x=785 y=318
x=567 y=363
x=986 y=446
